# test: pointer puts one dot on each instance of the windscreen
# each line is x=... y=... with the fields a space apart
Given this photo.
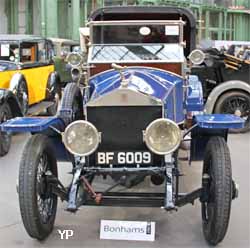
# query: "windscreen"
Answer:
x=120 y=34
x=137 y=53
x=130 y=43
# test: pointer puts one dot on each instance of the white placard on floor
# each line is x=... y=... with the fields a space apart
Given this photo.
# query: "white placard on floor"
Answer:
x=127 y=230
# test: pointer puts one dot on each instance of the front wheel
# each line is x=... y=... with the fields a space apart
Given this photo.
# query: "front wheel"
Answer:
x=38 y=204
x=5 y=138
x=72 y=102
x=217 y=184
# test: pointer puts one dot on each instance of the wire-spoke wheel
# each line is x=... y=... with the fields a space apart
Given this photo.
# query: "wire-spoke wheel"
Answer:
x=5 y=138
x=38 y=204
x=237 y=103
x=216 y=207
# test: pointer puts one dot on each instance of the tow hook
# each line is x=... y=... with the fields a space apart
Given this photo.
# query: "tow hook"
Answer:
x=235 y=188
x=90 y=190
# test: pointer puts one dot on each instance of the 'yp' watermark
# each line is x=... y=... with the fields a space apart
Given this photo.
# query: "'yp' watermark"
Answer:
x=65 y=234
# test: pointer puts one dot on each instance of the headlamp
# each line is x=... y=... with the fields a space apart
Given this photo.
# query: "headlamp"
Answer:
x=197 y=57
x=162 y=136
x=81 y=138
x=75 y=59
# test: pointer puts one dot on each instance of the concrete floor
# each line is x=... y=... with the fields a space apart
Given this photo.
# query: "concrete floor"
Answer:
x=179 y=229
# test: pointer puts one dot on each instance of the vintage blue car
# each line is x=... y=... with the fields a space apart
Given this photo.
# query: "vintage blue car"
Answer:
x=137 y=105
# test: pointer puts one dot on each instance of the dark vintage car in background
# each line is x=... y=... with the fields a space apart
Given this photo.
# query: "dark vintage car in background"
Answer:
x=62 y=47
x=137 y=106
x=226 y=84
x=28 y=81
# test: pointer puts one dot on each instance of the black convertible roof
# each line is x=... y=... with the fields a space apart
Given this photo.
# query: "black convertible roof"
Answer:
x=151 y=13
x=103 y=13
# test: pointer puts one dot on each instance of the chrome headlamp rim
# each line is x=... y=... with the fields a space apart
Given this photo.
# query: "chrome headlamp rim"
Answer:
x=95 y=131
x=75 y=54
x=202 y=54
x=150 y=126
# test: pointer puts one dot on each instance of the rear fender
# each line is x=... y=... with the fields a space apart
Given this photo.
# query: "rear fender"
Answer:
x=15 y=80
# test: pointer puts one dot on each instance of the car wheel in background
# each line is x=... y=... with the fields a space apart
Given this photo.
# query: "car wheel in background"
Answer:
x=19 y=88
x=237 y=103
x=5 y=138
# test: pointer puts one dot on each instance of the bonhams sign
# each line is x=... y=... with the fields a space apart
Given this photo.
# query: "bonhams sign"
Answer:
x=127 y=230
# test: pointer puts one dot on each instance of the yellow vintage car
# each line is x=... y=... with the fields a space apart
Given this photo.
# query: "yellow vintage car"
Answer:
x=28 y=81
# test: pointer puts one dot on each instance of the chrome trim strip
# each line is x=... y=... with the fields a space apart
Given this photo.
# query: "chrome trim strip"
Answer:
x=137 y=22
x=138 y=61
x=145 y=67
x=125 y=97
x=174 y=103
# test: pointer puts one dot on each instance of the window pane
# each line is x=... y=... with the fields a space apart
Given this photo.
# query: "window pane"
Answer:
x=41 y=52
x=135 y=53
x=9 y=52
x=135 y=34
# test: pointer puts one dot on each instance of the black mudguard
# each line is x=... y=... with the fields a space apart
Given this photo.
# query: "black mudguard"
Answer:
x=7 y=96
x=200 y=138
x=53 y=85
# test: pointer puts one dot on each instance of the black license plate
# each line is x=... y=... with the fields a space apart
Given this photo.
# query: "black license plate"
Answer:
x=121 y=158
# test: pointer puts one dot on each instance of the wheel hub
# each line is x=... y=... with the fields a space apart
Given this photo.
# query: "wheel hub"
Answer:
x=42 y=186
x=238 y=113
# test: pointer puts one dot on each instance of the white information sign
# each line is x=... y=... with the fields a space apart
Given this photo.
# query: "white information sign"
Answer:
x=5 y=50
x=127 y=230
x=172 y=30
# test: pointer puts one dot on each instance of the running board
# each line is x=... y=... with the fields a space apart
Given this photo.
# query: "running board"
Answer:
x=38 y=108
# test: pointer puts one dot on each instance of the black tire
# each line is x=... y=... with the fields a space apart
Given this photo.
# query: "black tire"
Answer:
x=71 y=100
x=5 y=138
x=22 y=94
x=233 y=102
x=34 y=191
x=216 y=208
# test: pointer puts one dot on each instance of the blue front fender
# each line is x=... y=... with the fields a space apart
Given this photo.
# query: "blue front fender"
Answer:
x=219 y=121
x=32 y=124
x=49 y=126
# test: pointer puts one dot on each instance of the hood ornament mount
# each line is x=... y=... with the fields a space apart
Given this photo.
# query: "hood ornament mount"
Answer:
x=119 y=68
